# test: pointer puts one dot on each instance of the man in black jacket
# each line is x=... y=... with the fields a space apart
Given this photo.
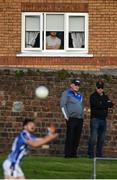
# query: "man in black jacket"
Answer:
x=99 y=104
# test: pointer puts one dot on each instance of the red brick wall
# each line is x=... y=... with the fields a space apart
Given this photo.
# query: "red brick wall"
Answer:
x=102 y=33
x=20 y=86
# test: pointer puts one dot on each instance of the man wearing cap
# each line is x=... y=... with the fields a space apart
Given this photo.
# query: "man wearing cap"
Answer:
x=71 y=104
x=99 y=104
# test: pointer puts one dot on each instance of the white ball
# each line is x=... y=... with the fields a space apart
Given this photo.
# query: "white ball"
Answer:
x=42 y=92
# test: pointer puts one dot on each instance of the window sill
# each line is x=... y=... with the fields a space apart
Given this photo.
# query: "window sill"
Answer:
x=50 y=54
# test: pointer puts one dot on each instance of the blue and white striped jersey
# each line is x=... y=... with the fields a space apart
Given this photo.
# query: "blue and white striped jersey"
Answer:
x=19 y=147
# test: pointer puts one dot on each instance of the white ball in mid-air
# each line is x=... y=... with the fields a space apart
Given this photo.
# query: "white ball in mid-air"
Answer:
x=42 y=92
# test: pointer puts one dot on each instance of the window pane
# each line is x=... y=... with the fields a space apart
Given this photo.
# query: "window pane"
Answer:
x=54 y=22
x=76 y=32
x=32 y=32
x=76 y=23
x=54 y=40
x=54 y=31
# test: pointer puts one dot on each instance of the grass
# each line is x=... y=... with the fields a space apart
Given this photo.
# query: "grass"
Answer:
x=36 y=167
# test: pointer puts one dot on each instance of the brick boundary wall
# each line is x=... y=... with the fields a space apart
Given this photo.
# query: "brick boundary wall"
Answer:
x=19 y=85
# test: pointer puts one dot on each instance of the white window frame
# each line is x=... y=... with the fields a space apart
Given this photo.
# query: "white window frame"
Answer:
x=23 y=48
x=85 y=15
x=51 y=50
x=66 y=52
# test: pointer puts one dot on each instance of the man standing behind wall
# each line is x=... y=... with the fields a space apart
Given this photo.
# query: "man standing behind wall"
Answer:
x=99 y=104
x=72 y=108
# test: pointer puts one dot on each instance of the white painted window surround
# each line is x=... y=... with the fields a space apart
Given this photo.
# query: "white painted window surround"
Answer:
x=71 y=28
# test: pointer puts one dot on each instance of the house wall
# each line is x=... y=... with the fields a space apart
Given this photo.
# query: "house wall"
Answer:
x=102 y=33
x=20 y=86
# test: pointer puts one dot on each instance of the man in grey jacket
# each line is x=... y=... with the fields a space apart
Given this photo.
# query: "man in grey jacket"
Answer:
x=71 y=104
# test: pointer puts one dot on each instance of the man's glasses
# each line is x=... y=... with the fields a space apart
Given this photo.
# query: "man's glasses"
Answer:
x=100 y=88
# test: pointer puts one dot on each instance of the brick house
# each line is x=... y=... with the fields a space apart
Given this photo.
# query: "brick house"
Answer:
x=87 y=36
x=93 y=22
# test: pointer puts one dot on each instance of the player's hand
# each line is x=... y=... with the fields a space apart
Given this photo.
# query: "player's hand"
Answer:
x=52 y=129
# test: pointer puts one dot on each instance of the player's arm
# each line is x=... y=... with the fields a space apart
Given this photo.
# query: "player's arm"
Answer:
x=41 y=141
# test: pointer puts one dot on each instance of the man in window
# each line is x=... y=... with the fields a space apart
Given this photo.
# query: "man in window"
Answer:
x=52 y=41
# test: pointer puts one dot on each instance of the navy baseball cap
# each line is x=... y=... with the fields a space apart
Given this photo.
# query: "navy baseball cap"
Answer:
x=100 y=84
x=76 y=82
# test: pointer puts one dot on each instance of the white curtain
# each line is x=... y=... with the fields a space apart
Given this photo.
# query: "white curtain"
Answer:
x=77 y=39
x=30 y=38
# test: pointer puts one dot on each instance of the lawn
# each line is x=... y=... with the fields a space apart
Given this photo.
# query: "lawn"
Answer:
x=36 y=167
